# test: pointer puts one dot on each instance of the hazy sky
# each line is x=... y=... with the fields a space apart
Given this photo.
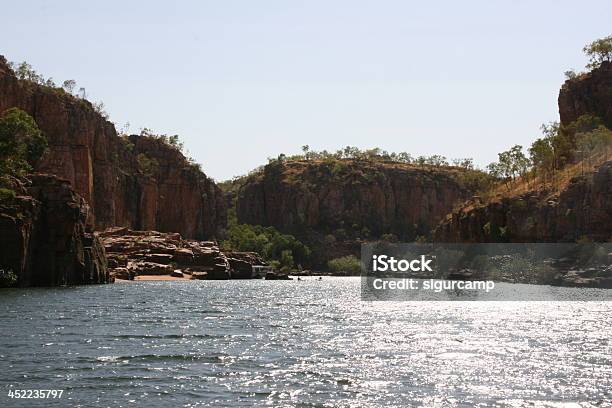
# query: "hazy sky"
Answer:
x=241 y=81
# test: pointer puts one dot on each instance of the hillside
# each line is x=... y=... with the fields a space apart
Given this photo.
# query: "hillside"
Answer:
x=335 y=204
x=131 y=181
x=575 y=209
x=566 y=200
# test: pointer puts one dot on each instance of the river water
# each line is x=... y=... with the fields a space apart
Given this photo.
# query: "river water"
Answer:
x=302 y=343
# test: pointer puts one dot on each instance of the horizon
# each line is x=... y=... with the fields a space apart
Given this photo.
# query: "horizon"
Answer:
x=327 y=76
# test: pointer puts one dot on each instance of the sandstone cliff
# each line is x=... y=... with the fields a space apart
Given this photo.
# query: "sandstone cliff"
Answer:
x=84 y=149
x=582 y=209
x=44 y=236
x=357 y=198
x=589 y=93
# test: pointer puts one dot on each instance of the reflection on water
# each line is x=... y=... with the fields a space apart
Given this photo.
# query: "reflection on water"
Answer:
x=290 y=343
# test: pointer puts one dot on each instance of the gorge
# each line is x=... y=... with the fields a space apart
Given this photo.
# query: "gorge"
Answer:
x=96 y=188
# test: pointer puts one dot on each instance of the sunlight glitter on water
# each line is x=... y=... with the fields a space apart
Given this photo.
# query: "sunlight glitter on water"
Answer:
x=308 y=343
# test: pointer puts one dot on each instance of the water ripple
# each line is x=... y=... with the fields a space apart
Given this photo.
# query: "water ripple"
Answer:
x=306 y=344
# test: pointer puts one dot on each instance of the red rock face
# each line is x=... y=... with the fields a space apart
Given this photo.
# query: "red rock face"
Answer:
x=583 y=208
x=590 y=93
x=44 y=237
x=84 y=149
x=382 y=197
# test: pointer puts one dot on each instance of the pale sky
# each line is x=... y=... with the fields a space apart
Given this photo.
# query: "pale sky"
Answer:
x=241 y=81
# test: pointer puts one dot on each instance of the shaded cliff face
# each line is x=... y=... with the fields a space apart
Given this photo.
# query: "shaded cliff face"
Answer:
x=44 y=237
x=84 y=148
x=348 y=196
x=582 y=209
x=590 y=93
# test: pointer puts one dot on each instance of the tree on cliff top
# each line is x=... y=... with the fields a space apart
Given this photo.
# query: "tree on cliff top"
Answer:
x=21 y=143
x=599 y=51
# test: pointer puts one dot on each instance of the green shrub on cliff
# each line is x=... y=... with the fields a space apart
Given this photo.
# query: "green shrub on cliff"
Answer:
x=599 y=51
x=146 y=165
x=21 y=143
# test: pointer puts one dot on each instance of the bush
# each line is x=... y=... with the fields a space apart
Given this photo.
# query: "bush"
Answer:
x=346 y=264
x=8 y=278
x=286 y=259
x=6 y=193
x=21 y=143
x=147 y=165
x=599 y=51
x=268 y=242
x=392 y=238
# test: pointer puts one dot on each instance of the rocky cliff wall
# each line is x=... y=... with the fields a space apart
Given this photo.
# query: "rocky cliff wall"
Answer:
x=84 y=149
x=589 y=93
x=582 y=209
x=384 y=198
x=44 y=236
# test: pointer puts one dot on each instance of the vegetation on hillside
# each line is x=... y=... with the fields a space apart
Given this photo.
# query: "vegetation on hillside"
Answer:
x=375 y=155
x=599 y=51
x=25 y=72
x=350 y=265
x=283 y=251
x=21 y=145
x=560 y=146
x=340 y=164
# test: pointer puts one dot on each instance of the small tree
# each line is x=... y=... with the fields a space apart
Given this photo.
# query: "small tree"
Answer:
x=21 y=142
x=570 y=74
x=306 y=150
x=24 y=71
x=495 y=170
x=99 y=108
x=69 y=85
x=467 y=163
x=520 y=162
x=542 y=156
x=599 y=51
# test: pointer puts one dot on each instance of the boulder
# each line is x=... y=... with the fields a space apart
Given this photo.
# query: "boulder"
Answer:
x=199 y=275
x=150 y=268
x=159 y=253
